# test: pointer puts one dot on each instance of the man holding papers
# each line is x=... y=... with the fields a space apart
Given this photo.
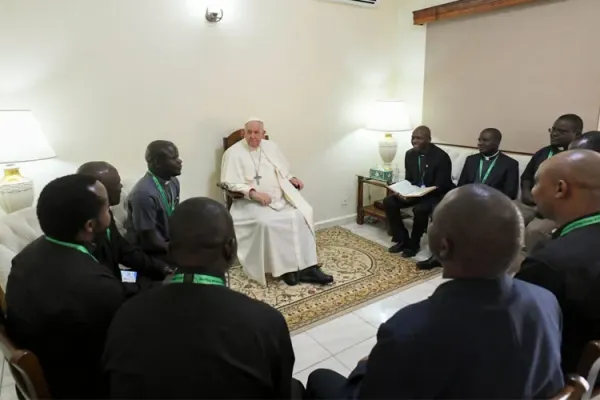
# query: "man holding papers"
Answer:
x=427 y=167
x=490 y=167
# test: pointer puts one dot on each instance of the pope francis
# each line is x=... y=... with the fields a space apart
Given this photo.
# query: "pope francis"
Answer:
x=273 y=223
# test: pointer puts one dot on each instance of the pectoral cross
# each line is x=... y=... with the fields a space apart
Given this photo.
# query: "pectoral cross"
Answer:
x=257 y=178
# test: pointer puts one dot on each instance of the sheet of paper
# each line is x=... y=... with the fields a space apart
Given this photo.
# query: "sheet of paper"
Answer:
x=407 y=189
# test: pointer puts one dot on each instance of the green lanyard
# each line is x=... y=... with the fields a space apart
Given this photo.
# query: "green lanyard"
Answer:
x=108 y=234
x=74 y=246
x=200 y=279
x=169 y=206
x=489 y=170
x=591 y=220
x=421 y=175
x=550 y=154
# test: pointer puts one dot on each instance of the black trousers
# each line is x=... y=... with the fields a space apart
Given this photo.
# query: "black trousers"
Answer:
x=325 y=384
x=422 y=209
x=297 y=390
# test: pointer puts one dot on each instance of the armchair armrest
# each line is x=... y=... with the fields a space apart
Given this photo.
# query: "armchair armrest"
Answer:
x=232 y=195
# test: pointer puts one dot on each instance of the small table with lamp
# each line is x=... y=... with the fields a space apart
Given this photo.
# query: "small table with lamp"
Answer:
x=386 y=116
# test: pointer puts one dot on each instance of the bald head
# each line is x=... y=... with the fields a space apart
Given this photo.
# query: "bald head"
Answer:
x=423 y=130
x=476 y=232
x=108 y=175
x=421 y=138
x=95 y=168
x=201 y=232
x=589 y=140
x=567 y=185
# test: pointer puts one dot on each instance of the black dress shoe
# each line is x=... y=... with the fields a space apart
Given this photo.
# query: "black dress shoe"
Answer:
x=430 y=263
x=410 y=252
x=315 y=275
x=397 y=247
x=291 y=278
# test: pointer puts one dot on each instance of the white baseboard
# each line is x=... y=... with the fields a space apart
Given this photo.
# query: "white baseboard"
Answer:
x=328 y=223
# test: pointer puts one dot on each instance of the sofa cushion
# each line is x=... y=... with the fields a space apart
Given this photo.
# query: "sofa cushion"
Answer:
x=458 y=156
x=20 y=228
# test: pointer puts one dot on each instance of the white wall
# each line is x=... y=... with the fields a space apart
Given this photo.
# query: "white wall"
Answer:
x=106 y=77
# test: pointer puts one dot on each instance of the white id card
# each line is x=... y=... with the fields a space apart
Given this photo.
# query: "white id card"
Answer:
x=128 y=276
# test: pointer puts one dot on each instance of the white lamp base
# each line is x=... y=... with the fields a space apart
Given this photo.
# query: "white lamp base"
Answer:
x=387 y=150
x=16 y=191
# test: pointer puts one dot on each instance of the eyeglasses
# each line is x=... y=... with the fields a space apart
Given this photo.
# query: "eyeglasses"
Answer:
x=558 y=130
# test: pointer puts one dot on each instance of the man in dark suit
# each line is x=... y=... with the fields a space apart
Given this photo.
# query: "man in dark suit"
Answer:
x=110 y=247
x=565 y=129
x=481 y=335
x=225 y=345
x=60 y=299
x=490 y=167
x=426 y=165
x=567 y=191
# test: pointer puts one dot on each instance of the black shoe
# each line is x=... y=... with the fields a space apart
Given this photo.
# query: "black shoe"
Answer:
x=315 y=275
x=291 y=278
x=430 y=263
x=410 y=252
x=397 y=247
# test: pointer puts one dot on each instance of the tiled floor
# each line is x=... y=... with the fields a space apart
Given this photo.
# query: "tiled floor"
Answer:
x=340 y=343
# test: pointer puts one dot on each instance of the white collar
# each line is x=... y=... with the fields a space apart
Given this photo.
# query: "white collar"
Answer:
x=490 y=157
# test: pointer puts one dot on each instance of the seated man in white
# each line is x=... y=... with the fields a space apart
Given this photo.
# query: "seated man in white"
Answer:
x=273 y=223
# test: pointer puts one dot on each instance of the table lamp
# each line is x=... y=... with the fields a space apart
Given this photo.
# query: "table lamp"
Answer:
x=388 y=116
x=21 y=140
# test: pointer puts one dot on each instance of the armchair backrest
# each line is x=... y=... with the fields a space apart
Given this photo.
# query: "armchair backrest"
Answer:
x=589 y=366
x=25 y=368
x=574 y=388
x=229 y=141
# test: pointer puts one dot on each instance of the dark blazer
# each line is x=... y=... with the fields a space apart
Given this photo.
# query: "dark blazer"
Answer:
x=113 y=250
x=569 y=267
x=60 y=303
x=472 y=339
x=504 y=176
x=225 y=346
x=436 y=169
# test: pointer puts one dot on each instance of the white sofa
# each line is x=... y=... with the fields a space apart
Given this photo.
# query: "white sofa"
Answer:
x=459 y=154
x=21 y=228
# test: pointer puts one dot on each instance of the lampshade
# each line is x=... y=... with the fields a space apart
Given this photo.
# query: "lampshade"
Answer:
x=21 y=138
x=389 y=116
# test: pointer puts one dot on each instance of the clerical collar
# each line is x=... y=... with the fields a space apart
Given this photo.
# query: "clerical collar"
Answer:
x=488 y=158
x=586 y=220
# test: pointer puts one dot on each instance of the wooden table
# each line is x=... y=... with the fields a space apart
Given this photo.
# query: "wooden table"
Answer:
x=371 y=209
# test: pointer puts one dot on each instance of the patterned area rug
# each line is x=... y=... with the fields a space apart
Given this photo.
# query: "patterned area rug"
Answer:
x=363 y=270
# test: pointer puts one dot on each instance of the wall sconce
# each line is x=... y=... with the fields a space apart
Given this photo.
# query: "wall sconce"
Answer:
x=214 y=14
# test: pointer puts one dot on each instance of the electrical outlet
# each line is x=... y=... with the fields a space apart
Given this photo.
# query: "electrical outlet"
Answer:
x=345 y=202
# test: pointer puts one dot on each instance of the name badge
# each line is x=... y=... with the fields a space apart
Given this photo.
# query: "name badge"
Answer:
x=128 y=276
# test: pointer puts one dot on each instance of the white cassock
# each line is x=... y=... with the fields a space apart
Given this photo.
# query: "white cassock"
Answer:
x=278 y=238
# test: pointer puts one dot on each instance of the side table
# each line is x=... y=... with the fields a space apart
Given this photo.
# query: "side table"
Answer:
x=371 y=209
